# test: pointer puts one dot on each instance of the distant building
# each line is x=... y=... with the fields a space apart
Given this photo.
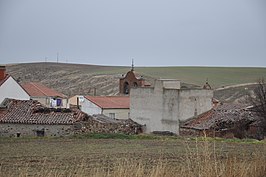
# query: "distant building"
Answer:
x=116 y=107
x=162 y=107
x=46 y=96
x=10 y=88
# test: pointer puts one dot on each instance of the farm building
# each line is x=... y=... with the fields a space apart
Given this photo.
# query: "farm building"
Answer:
x=30 y=118
x=116 y=107
x=46 y=96
x=226 y=120
x=10 y=88
x=162 y=107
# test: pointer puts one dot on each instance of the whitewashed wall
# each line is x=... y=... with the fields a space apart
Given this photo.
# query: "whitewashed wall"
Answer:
x=11 y=89
x=90 y=108
x=119 y=113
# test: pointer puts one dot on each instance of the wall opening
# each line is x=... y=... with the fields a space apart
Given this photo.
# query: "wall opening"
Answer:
x=18 y=134
x=112 y=115
x=40 y=132
x=126 y=88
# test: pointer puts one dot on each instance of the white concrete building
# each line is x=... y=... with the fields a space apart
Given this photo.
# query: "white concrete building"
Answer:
x=116 y=107
x=162 y=107
x=9 y=88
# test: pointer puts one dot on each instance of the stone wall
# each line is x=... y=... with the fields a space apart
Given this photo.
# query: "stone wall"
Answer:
x=10 y=130
x=120 y=126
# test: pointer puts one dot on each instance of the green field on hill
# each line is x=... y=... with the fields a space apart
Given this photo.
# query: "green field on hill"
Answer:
x=217 y=76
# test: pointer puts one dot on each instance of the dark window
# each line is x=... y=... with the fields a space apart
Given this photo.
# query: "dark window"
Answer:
x=18 y=134
x=126 y=88
x=135 y=84
x=40 y=132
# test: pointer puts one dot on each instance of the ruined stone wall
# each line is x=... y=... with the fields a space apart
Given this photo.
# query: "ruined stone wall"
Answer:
x=9 y=130
x=93 y=126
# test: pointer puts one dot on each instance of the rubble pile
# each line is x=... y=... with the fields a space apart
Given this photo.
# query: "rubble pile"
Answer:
x=103 y=124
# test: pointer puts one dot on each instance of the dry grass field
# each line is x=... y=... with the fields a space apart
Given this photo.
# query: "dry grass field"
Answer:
x=138 y=156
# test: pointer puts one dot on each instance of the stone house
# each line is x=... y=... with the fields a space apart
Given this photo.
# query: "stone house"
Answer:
x=162 y=107
x=30 y=118
x=116 y=107
x=10 y=88
x=228 y=120
x=46 y=96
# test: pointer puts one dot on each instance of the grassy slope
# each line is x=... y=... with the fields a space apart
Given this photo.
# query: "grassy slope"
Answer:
x=74 y=79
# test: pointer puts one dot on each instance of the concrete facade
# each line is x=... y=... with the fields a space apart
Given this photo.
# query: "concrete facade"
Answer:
x=161 y=107
x=11 y=89
x=14 y=130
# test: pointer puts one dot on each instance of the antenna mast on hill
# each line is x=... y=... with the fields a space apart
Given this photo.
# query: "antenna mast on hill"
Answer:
x=57 y=57
x=132 y=65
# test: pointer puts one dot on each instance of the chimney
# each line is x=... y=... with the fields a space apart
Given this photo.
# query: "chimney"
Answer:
x=2 y=72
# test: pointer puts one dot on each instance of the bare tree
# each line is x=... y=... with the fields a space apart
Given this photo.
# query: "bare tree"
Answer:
x=258 y=100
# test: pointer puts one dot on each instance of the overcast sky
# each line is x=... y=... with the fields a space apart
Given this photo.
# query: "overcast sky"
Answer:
x=153 y=32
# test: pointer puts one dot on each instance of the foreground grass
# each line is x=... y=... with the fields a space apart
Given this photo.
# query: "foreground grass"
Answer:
x=131 y=156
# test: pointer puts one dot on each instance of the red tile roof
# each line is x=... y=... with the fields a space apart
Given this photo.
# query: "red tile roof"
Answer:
x=3 y=80
x=32 y=112
x=110 y=102
x=37 y=89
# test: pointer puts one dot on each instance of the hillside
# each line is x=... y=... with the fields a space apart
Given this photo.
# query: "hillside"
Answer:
x=72 y=79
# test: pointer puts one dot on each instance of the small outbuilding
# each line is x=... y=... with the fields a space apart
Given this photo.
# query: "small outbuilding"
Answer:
x=30 y=118
x=46 y=96
x=116 y=107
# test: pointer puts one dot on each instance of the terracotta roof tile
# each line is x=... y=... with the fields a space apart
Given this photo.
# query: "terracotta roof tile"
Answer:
x=223 y=114
x=110 y=102
x=37 y=89
x=32 y=112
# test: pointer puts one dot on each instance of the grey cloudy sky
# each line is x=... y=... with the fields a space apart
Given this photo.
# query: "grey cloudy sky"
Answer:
x=153 y=32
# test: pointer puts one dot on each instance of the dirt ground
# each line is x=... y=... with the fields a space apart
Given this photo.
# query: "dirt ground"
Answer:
x=35 y=155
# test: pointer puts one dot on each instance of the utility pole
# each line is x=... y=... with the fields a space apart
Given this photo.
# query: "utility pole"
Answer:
x=57 y=57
